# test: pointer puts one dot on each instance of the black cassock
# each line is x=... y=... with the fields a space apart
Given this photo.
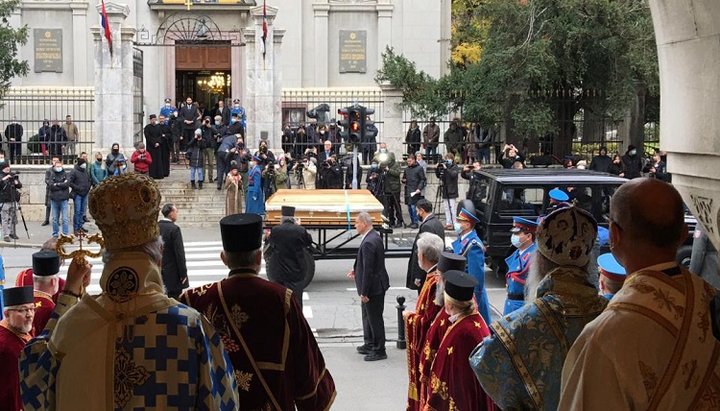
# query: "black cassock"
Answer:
x=153 y=136
x=165 y=147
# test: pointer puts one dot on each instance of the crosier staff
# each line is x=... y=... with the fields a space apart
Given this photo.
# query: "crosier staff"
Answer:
x=79 y=258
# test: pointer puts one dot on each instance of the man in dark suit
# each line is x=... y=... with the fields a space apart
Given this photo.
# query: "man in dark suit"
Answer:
x=190 y=116
x=174 y=269
x=372 y=281
x=287 y=253
x=428 y=224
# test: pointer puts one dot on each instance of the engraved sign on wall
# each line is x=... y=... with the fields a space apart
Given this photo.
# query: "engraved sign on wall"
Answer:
x=353 y=51
x=48 y=50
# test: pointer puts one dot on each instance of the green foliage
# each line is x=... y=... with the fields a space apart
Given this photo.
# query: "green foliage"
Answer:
x=541 y=62
x=10 y=40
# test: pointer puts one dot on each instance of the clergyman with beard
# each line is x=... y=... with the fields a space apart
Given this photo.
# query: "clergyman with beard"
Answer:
x=560 y=300
x=15 y=329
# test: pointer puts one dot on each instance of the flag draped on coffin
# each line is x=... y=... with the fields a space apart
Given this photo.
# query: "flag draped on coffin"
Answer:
x=105 y=24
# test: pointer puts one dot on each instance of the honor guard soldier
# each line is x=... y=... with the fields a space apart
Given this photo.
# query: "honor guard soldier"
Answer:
x=469 y=245
x=612 y=275
x=15 y=332
x=523 y=239
x=288 y=253
x=277 y=362
x=46 y=282
x=167 y=110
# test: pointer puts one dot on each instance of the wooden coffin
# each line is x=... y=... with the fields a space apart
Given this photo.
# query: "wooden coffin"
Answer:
x=324 y=207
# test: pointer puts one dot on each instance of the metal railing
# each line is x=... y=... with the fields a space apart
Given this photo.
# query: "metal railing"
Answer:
x=29 y=107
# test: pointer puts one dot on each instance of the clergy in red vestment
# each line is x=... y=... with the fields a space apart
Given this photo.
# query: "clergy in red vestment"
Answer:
x=434 y=261
x=14 y=334
x=278 y=365
x=46 y=282
x=452 y=386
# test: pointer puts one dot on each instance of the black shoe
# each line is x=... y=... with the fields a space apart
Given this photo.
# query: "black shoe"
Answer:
x=219 y=188
x=7 y=239
x=44 y=223
x=376 y=356
x=364 y=350
x=192 y=184
x=14 y=236
x=200 y=185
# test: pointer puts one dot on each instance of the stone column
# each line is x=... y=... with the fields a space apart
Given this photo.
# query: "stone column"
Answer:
x=263 y=90
x=80 y=46
x=321 y=37
x=384 y=34
x=393 y=134
x=114 y=81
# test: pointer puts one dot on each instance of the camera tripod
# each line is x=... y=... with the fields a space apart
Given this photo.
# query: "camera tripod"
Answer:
x=439 y=197
x=14 y=208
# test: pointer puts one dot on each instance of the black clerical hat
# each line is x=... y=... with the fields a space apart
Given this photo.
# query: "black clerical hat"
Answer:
x=18 y=296
x=449 y=261
x=46 y=263
x=241 y=232
x=459 y=285
x=287 y=211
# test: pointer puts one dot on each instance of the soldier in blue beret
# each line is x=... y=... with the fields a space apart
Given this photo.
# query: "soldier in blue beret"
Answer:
x=612 y=275
x=523 y=239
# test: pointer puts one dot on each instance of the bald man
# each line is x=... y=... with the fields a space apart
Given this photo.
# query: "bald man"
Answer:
x=654 y=346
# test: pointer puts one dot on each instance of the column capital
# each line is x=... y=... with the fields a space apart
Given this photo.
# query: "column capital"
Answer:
x=114 y=10
x=257 y=14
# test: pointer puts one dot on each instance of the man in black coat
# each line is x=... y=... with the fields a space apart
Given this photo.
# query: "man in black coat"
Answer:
x=632 y=163
x=414 y=180
x=13 y=134
x=429 y=224
x=447 y=172
x=153 y=143
x=601 y=162
x=79 y=181
x=372 y=281
x=174 y=269
x=190 y=116
x=288 y=252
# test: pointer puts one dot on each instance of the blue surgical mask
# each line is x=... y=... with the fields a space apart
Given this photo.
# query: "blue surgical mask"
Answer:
x=449 y=162
x=458 y=228
x=83 y=166
x=58 y=169
x=515 y=240
x=633 y=152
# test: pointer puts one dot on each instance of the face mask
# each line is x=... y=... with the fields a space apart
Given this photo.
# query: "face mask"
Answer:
x=448 y=162
x=633 y=152
x=98 y=159
x=383 y=150
x=115 y=150
x=2 y=158
x=458 y=228
x=83 y=166
x=58 y=169
x=515 y=240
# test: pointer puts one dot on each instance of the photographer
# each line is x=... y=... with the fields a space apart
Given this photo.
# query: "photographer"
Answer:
x=476 y=191
x=9 y=198
x=414 y=180
x=372 y=181
x=194 y=156
x=511 y=155
x=241 y=156
x=447 y=172
x=330 y=174
x=274 y=175
x=264 y=155
x=208 y=149
x=115 y=162
x=390 y=180
x=141 y=159
x=306 y=172
x=59 y=196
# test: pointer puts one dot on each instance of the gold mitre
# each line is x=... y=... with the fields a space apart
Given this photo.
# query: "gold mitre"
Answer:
x=125 y=208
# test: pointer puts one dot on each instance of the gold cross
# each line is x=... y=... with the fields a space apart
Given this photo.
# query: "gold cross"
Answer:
x=188 y=3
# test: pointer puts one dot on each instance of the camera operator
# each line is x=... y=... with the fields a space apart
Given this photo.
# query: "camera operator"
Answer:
x=288 y=139
x=390 y=180
x=264 y=155
x=476 y=191
x=305 y=172
x=511 y=155
x=447 y=172
x=9 y=198
x=347 y=166
x=330 y=174
x=241 y=156
x=194 y=156
x=372 y=181
x=414 y=180
x=269 y=176
x=208 y=149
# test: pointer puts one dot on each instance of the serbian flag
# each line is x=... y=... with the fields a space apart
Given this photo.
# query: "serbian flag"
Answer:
x=265 y=28
x=105 y=23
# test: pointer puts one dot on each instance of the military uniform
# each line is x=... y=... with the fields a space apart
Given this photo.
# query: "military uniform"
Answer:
x=518 y=267
x=611 y=269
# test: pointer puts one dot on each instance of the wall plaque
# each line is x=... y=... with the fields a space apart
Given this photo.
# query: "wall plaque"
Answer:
x=48 y=50
x=353 y=51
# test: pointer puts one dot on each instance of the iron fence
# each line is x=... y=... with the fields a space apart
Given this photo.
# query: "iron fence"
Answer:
x=23 y=111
